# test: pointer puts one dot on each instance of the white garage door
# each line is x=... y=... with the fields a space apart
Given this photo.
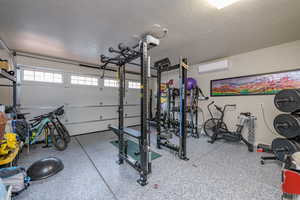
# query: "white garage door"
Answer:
x=89 y=104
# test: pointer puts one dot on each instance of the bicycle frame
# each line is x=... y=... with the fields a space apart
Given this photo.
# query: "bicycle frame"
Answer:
x=37 y=128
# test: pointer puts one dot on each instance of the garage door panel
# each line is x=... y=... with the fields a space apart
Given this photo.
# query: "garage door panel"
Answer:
x=44 y=95
x=132 y=96
x=90 y=113
x=82 y=96
x=132 y=110
x=109 y=112
x=132 y=121
x=89 y=108
x=110 y=96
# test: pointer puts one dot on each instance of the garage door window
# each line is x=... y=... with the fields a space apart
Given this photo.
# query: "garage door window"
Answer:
x=111 y=83
x=50 y=77
x=134 y=85
x=84 y=80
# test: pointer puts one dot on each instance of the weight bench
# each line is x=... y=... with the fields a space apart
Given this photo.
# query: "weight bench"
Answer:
x=128 y=131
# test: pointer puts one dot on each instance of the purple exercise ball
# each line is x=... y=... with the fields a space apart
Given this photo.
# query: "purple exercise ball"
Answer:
x=191 y=83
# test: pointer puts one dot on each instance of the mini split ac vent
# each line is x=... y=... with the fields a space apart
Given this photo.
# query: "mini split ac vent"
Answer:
x=222 y=65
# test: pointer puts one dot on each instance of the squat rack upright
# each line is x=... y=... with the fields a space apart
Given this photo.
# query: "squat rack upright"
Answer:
x=161 y=66
x=125 y=55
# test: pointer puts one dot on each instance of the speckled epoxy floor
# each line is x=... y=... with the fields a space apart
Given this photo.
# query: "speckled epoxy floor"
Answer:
x=219 y=171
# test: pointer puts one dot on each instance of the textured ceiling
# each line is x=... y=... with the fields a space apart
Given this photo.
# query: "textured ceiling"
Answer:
x=81 y=30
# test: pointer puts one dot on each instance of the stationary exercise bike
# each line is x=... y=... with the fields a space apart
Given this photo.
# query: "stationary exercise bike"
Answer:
x=216 y=128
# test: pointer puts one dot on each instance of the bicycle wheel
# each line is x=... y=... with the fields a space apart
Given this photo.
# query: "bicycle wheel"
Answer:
x=64 y=131
x=57 y=139
x=210 y=126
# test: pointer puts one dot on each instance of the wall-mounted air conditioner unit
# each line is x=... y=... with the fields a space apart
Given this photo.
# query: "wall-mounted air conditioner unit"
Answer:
x=222 y=65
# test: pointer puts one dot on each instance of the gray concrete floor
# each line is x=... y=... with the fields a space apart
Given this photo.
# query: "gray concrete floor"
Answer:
x=220 y=171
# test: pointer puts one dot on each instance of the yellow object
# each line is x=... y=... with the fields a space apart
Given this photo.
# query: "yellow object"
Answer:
x=163 y=100
x=4 y=65
x=163 y=87
x=9 y=143
x=11 y=139
x=8 y=158
x=185 y=65
x=9 y=148
x=3 y=149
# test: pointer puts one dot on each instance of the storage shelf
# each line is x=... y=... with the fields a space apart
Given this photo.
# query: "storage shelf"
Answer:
x=4 y=74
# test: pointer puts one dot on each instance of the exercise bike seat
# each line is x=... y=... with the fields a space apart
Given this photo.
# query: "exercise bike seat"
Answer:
x=247 y=114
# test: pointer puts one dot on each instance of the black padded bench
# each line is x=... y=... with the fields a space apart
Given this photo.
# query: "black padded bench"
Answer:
x=128 y=131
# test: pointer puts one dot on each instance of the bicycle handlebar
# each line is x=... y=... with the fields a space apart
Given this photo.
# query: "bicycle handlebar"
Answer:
x=61 y=107
x=59 y=111
x=40 y=117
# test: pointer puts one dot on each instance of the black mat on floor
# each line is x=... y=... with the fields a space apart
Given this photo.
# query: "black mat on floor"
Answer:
x=133 y=148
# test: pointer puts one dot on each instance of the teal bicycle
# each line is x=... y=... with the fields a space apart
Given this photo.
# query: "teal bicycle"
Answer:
x=46 y=129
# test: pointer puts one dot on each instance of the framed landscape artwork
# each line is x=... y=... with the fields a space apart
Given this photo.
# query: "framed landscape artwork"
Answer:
x=258 y=84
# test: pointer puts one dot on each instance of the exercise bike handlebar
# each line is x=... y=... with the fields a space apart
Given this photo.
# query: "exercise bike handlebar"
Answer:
x=210 y=103
x=220 y=109
x=228 y=105
x=208 y=108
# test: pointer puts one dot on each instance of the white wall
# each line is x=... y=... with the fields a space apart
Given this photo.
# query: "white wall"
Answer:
x=5 y=92
x=4 y=54
x=276 y=58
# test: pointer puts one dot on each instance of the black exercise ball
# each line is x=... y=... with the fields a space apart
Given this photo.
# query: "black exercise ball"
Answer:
x=44 y=168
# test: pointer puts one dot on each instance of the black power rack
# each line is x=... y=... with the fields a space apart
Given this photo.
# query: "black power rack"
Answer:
x=164 y=65
x=125 y=55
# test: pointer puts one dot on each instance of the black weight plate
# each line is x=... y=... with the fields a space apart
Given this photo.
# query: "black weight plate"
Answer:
x=282 y=147
x=287 y=100
x=287 y=125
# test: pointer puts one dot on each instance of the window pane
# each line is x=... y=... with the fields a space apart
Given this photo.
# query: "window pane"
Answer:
x=42 y=76
x=111 y=83
x=134 y=85
x=38 y=76
x=48 y=77
x=28 y=75
x=57 y=78
x=83 y=80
